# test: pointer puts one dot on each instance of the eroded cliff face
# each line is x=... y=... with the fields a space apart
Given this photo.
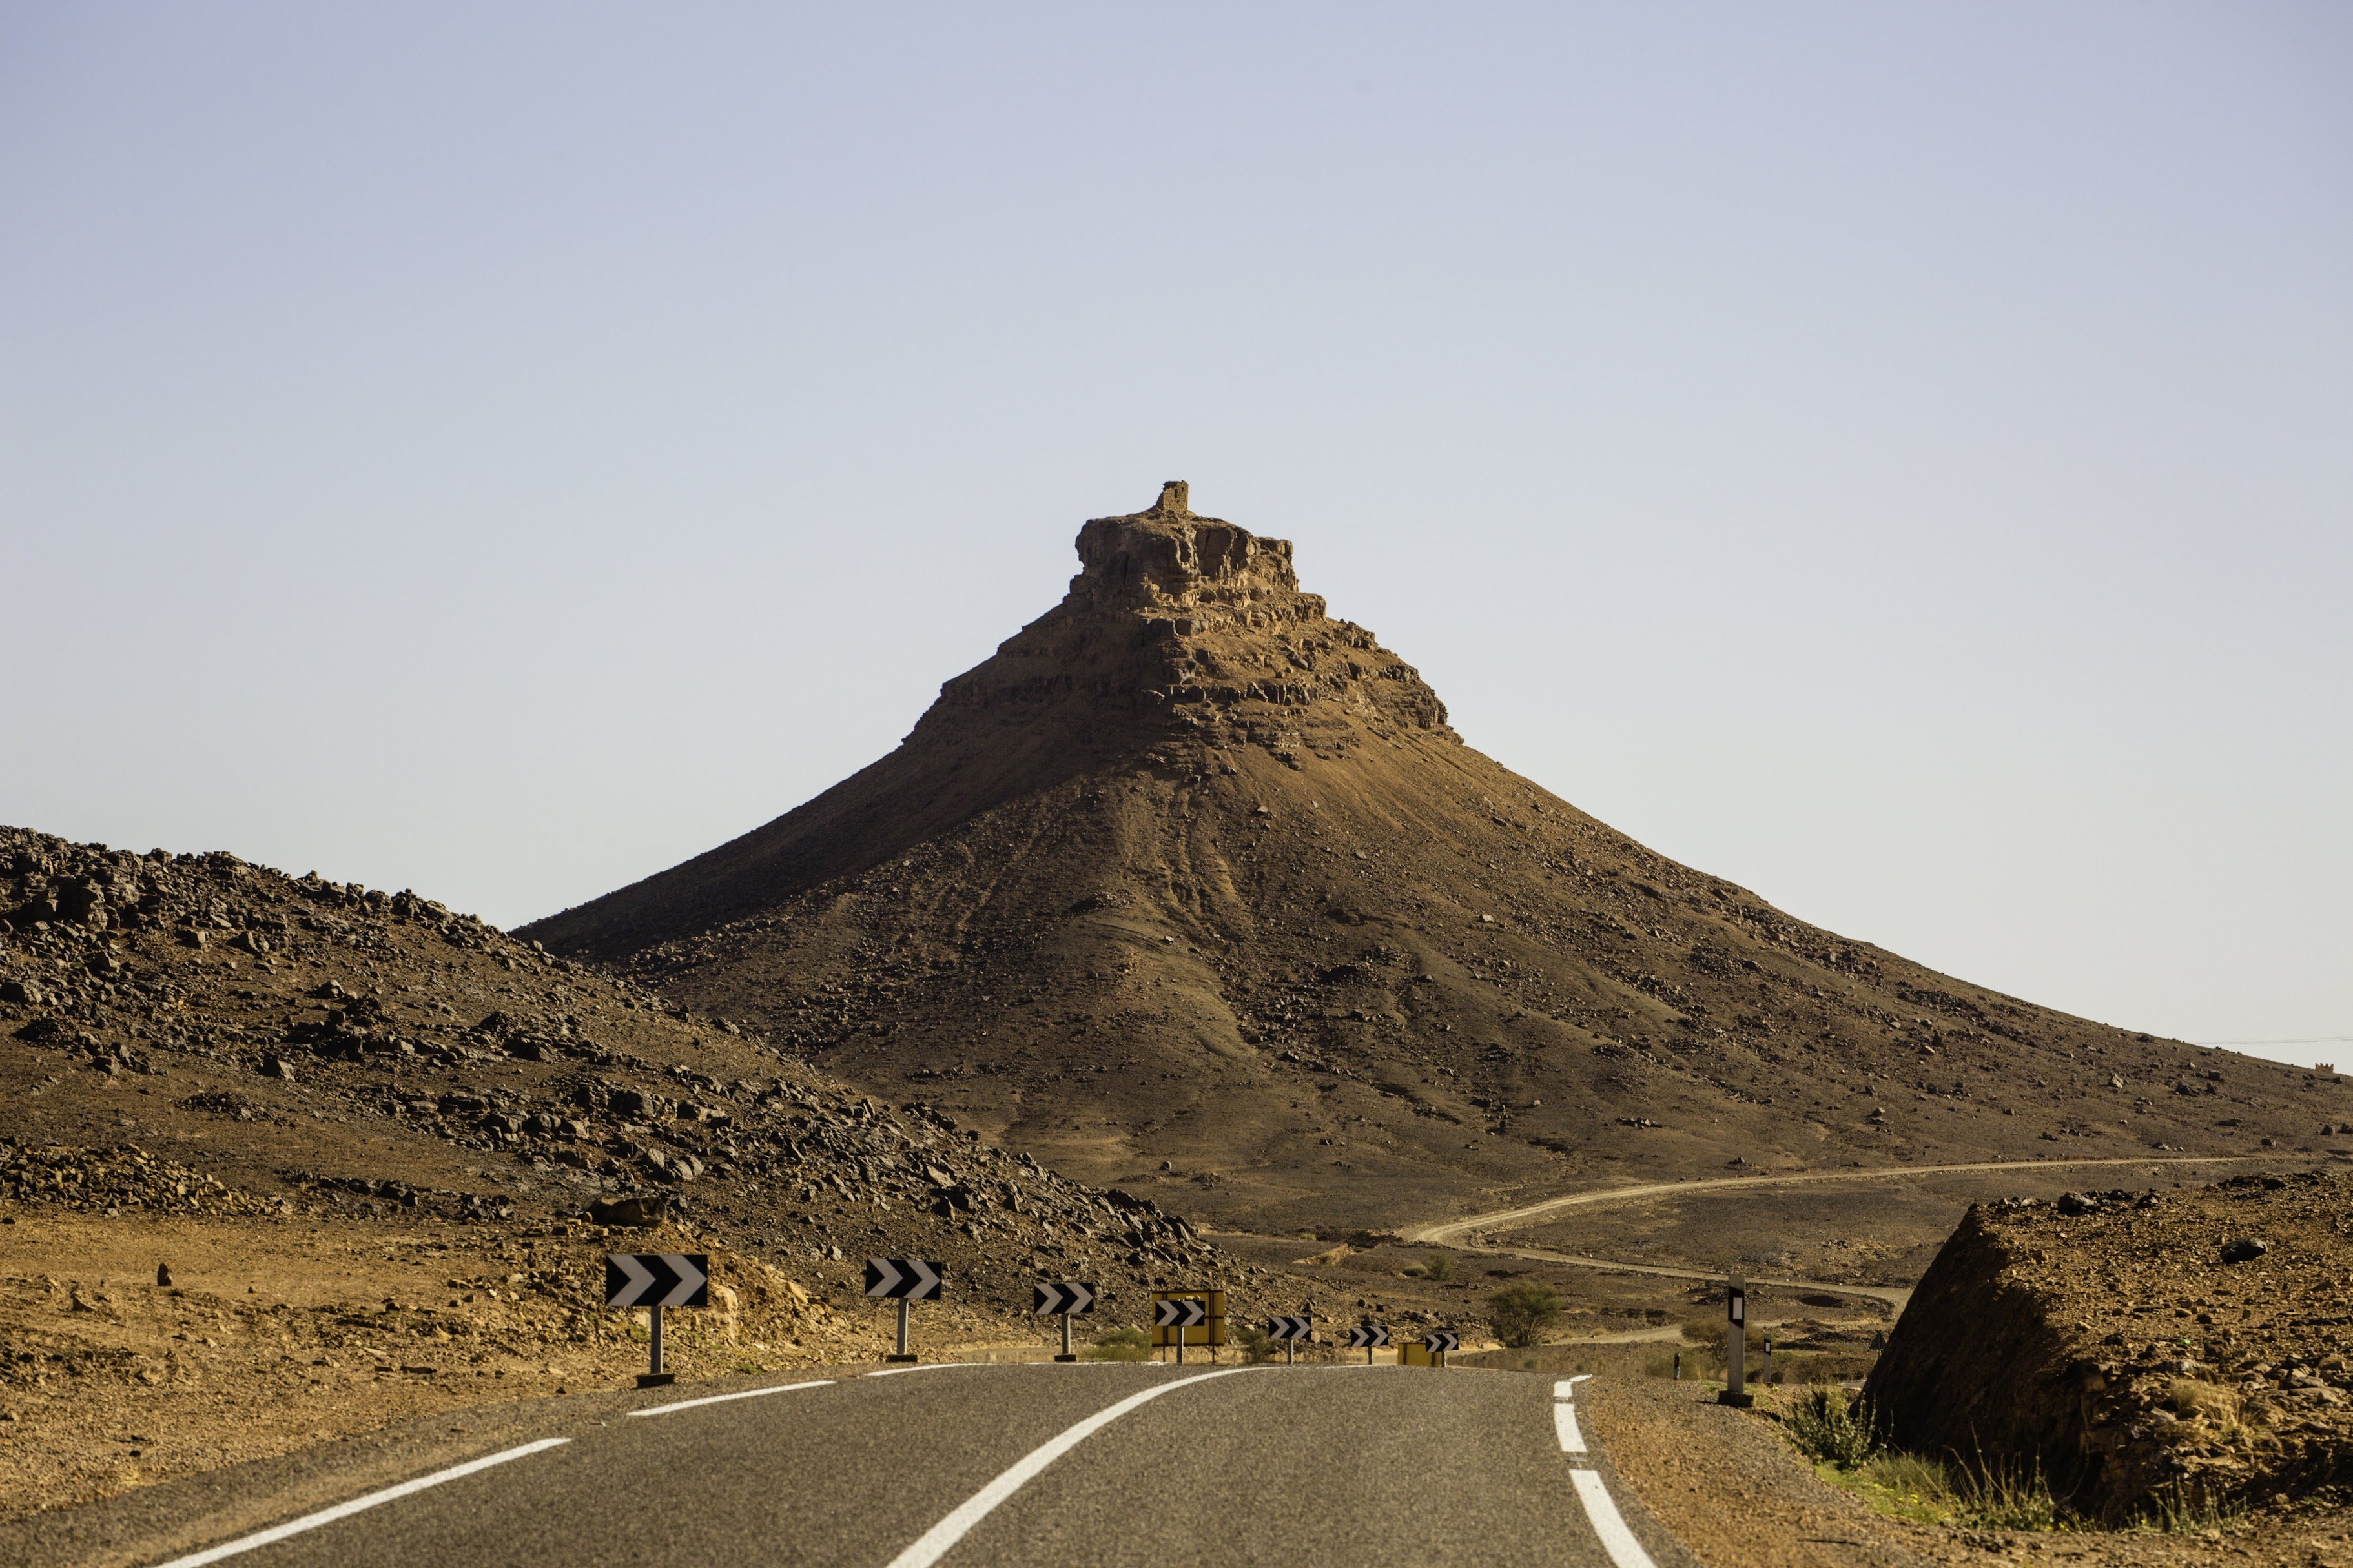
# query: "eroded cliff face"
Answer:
x=1177 y=624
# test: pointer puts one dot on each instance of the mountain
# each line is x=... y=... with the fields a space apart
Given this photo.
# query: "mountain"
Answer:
x=1189 y=882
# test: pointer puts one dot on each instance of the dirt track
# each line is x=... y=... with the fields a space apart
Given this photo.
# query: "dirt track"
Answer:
x=1447 y=1233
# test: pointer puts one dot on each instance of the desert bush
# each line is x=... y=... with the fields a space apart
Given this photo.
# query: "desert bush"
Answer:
x=2189 y=1396
x=1829 y=1425
x=1120 y=1344
x=1521 y=1313
x=1256 y=1345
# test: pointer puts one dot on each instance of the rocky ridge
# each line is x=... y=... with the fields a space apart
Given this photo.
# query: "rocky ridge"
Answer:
x=281 y=1008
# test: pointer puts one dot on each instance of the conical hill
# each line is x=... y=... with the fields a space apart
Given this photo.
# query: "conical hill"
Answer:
x=1190 y=883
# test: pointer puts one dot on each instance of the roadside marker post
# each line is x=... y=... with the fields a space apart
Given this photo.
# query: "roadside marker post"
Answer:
x=1367 y=1336
x=1066 y=1299
x=1767 y=1374
x=904 y=1279
x=1735 y=1343
x=654 y=1280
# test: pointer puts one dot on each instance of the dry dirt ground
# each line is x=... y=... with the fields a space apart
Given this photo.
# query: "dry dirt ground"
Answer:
x=1191 y=885
x=1732 y=1487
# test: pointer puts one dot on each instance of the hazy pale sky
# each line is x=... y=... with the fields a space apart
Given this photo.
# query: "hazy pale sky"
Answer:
x=1899 y=457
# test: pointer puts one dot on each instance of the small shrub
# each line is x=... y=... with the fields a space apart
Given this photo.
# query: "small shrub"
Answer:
x=1521 y=1313
x=1997 y=1495
x=1120 y=1344
x=2176 y=1511
x=2217 y=1404
x=1437 y=1265
x=1256 y=1345
x=1830 y=1427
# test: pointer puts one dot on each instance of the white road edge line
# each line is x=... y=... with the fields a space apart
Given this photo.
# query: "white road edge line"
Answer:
x=934 y=1543
x=723 y=1398
x=359 y=1504
x=1564 y=1422
x=1567 y=1387
x=928 y=1366
x=1608 y=1523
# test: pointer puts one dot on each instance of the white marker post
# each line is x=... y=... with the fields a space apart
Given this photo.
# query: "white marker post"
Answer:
x=1735 y=1343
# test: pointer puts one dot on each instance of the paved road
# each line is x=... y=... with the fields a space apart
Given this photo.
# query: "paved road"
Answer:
x=1122 y=1466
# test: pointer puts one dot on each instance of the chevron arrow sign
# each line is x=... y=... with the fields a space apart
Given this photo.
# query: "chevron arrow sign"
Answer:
x=1367 y=1336
x=1441 y=1341
x=1062 y=1298
x=1179 y=1314
x=909 y=1279
x=1291 y=1328
x=657 y=1279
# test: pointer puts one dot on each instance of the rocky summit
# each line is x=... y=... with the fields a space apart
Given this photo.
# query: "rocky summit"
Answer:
x=1191 y=882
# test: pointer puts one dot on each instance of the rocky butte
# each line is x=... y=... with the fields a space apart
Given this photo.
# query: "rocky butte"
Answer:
x=1190 y=882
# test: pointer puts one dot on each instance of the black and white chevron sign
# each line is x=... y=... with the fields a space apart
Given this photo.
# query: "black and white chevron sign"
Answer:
x=1291 y=1328
x=1367 y=1337
x=909 y=1277
x=657 y=1279
x=1063 y=1298
x=1441 y=1341
x=1179 y=1314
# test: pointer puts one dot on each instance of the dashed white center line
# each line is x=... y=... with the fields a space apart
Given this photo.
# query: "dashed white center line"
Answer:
x=723 y=1398
x=1608 y=1522
x=1564 y=1422
x=358 y=1504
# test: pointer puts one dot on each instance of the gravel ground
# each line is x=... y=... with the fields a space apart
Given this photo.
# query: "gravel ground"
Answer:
x=1731 y=1487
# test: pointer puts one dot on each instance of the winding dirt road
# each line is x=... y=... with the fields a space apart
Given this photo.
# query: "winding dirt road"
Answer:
x=1450 y=1233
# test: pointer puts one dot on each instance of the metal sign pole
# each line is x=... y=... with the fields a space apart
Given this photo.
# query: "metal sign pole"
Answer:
x=657 y=1367
x=1066 y=1337
x=902 y=1326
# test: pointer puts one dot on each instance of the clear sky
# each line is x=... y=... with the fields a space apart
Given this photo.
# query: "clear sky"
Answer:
x=1898 y=456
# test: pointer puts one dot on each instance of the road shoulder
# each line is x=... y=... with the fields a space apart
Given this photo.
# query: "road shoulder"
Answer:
x=1728 y=1485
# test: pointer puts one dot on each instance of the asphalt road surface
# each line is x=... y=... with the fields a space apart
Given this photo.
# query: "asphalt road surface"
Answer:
x=991 y=1465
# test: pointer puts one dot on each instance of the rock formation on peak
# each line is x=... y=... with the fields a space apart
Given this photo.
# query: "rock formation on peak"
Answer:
x=1190 y=881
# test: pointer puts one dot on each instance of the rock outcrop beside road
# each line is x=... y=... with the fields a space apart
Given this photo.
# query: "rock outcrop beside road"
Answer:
x=2188 y=1350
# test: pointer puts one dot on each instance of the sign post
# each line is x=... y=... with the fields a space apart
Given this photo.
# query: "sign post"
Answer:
x=654 y=1280
x=1290 y=1330
x=1766 y=1375
x=1066 y=1299
x=904 y=1279
x=1202 y=1323
x=1172 y=1315
x=1736 y=1342
x=1367 y=1336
